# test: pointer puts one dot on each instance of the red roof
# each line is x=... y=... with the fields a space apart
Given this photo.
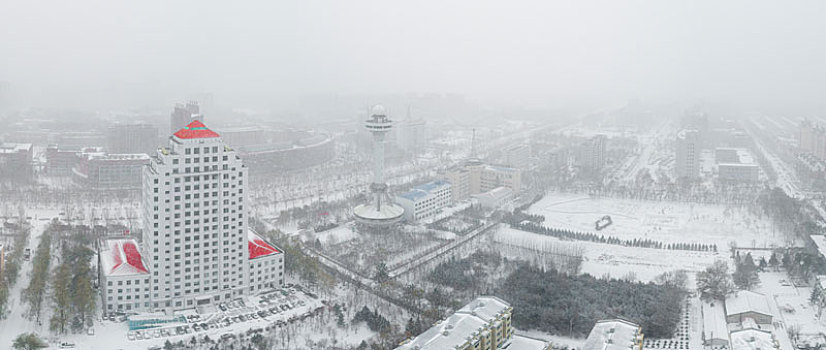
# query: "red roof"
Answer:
x=195 y=130
x=123 y=258
x=258 y=247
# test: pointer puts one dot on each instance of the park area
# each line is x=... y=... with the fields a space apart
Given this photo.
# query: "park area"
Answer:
x=663 y=221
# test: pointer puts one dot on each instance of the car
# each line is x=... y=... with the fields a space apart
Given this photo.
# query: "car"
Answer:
x=138 y=335
x=195 y=327
x=254 y=316
x=130 y=336
x=67 y=345
x=90 y=331
x=222 y=307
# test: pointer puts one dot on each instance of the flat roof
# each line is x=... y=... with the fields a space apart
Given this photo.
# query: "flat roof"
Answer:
x=10 y=147
x=423 y=190
x=752 y=339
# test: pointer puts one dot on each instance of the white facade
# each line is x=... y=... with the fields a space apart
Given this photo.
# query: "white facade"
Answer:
x=518 y=156
x=499 y=197
x=266 y=264
x=195 y=222
x=688 y=154
x=424 y=201
x=124 y=277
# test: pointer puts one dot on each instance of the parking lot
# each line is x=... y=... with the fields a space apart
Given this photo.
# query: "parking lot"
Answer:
x=266 y=311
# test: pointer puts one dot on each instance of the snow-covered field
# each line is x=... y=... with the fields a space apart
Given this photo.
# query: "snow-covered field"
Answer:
x=614 y=260
x=668 y=222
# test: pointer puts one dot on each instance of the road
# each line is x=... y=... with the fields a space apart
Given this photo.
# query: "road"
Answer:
x=16 y=321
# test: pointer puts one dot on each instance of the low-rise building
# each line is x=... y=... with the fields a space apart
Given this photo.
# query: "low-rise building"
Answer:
x=715 y=332
x=61 y=160
x=124 y=276
x=736 y=165
x=101 y=171
x=475 y=178
x=753 y=339
x=746 y=304
x=425 y=200
x=266 y=263
x=496 y=198
x=16 y=162
x=483 y=324
x=615 y=334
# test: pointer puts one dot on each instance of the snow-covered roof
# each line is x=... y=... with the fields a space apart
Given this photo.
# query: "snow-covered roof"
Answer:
x=121 y=257
x=525 y=343
x=459 y=327
x=714 y=321
x=613 y=335
x=486 y=307
x=9 y=147
x=195 y=130
x=820 y=242
x=747 y=301
x=258 y=247
x=752 y=339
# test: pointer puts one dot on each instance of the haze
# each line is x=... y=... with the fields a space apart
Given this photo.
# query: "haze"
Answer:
x=759 y=56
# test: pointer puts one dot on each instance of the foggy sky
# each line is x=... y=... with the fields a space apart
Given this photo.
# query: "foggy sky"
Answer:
x=756 y=54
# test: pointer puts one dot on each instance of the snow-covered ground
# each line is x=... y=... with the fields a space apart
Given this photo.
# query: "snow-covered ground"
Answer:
x=614 y=260
x=668 y=222
x=16 y=321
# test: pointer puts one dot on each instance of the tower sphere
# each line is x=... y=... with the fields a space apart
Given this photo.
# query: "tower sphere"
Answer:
x=378 y=110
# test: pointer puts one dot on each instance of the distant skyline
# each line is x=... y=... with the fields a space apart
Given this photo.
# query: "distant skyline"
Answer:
x=759 y=56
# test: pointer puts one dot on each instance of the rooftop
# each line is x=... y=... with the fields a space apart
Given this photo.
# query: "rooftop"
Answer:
x=612 y=335
x=820 y=243
x=8 y=147
x=423 y=190
x=752 y=339
x=195 y=130
x=121 y=257
x=258 y=247
x=714 y=321
x=459 y=327
x=747 y=301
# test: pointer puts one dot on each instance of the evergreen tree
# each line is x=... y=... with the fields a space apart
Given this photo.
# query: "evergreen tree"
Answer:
x=773 y=260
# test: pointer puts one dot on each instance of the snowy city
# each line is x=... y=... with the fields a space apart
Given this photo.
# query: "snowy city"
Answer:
x=633 y=175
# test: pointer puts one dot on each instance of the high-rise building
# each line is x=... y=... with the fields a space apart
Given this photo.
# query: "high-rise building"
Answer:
x=812 y=139
x=132 y=138
x=195 y=225
x=688 y=154
x=517 y=156
x=182 y=115
x=412 y=134
x=591 y=153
